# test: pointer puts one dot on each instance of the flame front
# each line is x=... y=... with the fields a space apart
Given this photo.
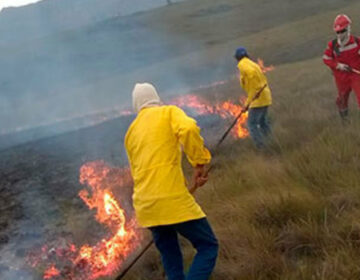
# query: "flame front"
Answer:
x=51 y=272
x=89 y=262
x=97 y=117
x=107 y=255
x=225 y=110
x=239 y=130
x=264 y=68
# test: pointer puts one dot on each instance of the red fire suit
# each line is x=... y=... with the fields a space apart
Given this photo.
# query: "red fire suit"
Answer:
x=345 y=81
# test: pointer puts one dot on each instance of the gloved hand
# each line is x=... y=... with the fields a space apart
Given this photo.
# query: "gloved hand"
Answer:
x=343 y=67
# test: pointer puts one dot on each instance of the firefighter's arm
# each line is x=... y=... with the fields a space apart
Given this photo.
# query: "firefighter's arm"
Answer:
x=188 y=134
x=328 y=57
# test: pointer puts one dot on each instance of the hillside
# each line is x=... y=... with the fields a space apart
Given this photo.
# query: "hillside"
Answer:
x=34 y=21
x=93 y=67
x=291 y=214
x=288 y=214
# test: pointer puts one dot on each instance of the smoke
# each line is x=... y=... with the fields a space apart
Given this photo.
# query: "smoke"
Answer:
x=60 y=75
x=26 y=228
x=66 y=59
x=62 y=59
x=62 y=69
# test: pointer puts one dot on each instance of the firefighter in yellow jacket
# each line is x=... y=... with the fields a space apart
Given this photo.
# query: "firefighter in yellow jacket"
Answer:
x=255 y=84
x=162 y=202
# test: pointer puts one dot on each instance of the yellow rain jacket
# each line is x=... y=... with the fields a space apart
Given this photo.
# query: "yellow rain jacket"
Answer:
x=154 y=144
x=252 y=79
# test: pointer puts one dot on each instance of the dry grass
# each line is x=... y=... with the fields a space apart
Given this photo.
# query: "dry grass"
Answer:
x=292 y=213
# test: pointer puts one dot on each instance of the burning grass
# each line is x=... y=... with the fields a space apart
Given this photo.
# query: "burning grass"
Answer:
x=288 y=214
x=197 y=105
x=292 y=213
x=66 y=260
x=108 y=193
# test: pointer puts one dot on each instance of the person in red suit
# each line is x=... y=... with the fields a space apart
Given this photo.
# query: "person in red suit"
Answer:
x=342 y=56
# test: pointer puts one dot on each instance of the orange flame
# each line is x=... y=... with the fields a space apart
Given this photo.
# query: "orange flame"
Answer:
x=263 y=67
x=103 y=258
x=97 y=117
x=224 y=110
x=51 y=272
x=239 y=130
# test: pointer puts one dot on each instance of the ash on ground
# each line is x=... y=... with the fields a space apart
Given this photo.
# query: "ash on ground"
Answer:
x=39 y=186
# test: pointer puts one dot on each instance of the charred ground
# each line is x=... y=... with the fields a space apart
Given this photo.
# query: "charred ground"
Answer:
x=288 y=215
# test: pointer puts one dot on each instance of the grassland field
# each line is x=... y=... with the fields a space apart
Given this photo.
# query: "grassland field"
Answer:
x=292 y=213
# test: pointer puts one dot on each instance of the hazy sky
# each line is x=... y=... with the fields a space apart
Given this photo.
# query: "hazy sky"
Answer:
x=15 y=3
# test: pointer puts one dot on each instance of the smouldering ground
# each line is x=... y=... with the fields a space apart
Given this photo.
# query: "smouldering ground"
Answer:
x=288 y=214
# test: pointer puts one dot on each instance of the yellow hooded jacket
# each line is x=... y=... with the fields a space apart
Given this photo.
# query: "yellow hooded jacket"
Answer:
x=252 y=79
x=154 y=143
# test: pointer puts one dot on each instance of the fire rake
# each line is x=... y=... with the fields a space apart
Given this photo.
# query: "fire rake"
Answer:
x=193 y=188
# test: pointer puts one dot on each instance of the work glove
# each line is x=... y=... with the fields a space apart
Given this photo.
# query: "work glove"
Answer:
x=343 y=67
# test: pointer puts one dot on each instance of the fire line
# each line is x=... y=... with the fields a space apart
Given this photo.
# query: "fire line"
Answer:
x=106 y=256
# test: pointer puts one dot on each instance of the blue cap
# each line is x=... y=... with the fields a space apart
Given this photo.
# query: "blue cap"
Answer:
x=240 y=53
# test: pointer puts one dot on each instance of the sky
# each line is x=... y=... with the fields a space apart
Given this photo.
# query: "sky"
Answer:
x=15 y=3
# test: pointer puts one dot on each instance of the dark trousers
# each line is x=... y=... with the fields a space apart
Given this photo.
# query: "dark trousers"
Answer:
x=259 y=125
x=201 y=236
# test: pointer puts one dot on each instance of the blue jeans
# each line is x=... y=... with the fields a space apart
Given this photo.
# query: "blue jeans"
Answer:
x=259 y=125
x=201 y=236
